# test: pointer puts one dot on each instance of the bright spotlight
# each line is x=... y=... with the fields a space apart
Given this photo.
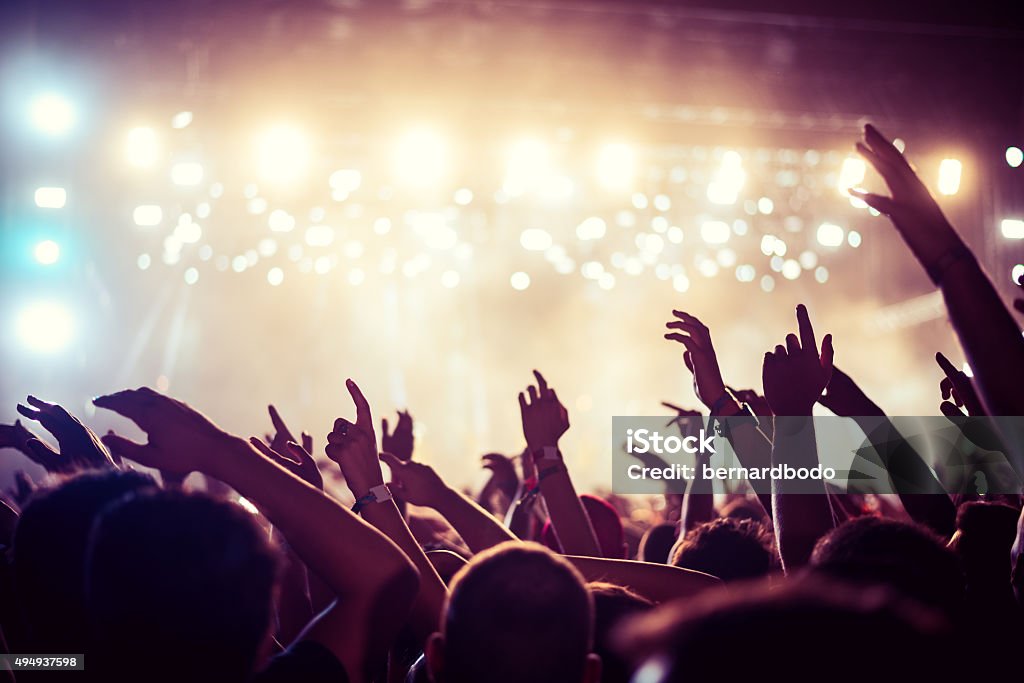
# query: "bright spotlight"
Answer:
x=519 y=280
x=728 y=180
x=535 y=239
x=52 y=114
x=420 y=158
x=1014 y=156
x=51 y=197
x=851 y=174
x=142 y=147
x=715 y=232
x=1012 y=228
x=949 y=176
x=528 y=166
x=147 y=215
x=616 y=166
x=45 y=327
x=187 y=173
x=830 y=235
x=46 y=252
x=181 y=120
x=283 y=154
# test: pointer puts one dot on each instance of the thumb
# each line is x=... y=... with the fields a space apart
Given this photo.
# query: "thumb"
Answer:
x=392 y=461
x=125 y=448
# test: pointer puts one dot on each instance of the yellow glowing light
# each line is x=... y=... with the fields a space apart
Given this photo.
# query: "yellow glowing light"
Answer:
x=949 y=176
x=142 y=147
x=52 y=114
x=45 y=327
x=420 y=158
x=147 y=215
x=830 y=235
x=187 y=173
x=283 y=155
x=715 y=232
x=51 y=197
x=528 y=166
x=851 y=174
x=46 y=252
x=616 y=166
x=1012 y=228
x=728 y=180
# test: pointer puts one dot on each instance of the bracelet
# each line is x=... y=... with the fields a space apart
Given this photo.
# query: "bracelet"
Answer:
x=377 y=494
x=721 y=401
x=549 y=471
x=939 y=268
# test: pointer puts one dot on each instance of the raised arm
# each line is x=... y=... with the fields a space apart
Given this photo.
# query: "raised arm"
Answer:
x=419 y=484
x=656 y=582
x=794 y=377
x=353 y=445
x=374 y=581
x=545 y=420
x=988 y=333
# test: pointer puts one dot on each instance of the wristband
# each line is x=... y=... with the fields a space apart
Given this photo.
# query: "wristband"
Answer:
x=939 y=268
x=549 y=471
x=377 y=494
x=546 y=453
x=721 y=401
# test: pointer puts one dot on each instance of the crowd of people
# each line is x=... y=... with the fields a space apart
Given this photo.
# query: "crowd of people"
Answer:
x=248 y=570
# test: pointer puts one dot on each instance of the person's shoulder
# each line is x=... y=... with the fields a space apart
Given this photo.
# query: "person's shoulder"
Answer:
x=304 y=662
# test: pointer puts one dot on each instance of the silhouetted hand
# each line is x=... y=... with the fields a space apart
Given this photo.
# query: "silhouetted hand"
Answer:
x=79 y=447
x=794 y=375
x=699 y=356
x=353 y=445
x=181 y=439
x=844 y=398
x=545 y=419
x=503 y=474
x=398 y=443
x=911 y=207
x=957 y=386
x=414 y=482
x=282 y=435
x=295 y=459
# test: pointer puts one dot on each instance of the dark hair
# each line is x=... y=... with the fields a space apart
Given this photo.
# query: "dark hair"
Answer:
x=179 y=573
x=657 y=542
x=902 y=555
x=517 y=612
x=803 y=630
x=50 y=543
x=612 y=605
x=729 y=548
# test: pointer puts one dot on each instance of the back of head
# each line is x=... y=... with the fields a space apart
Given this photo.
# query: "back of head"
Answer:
x=805 y=630
x=605 y=521
x=612 y=606
x=657 y=543
x=49 y=555
x=515 y=613
x=181 y=573
x=985 y=534
x=905 y=556
x=729 y=548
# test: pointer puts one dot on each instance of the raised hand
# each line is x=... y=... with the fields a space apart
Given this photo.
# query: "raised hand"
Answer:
x=911 y=207
x=545 y=419
x=80 y=448
x=295 y=458
x=957 y=391
x=282 y=436
x=795 y=375
x=353 y=445
x=503 y=474
x=399 y=442
x=699 y=356
x=846 y=399
x=181 y=439
x=415 y=482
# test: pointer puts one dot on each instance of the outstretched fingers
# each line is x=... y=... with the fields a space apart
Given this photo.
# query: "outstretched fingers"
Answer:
x=363 y=417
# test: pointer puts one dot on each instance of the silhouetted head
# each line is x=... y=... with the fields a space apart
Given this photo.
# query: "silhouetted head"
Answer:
x=746 y=508
x=179 y=573
x=905 y=556
x=984 y=536
x=50 y=543
x=516 y=612
x=729 y=548
x=612 y=605
x=657 y=543
x=607 y=525
x=803 y=631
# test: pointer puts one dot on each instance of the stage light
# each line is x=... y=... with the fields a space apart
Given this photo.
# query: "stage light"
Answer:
x=745 y=273
x=450 y=279
x=420 y=158
x=356 y=276
x=45 y=327
x=345 y=180
x=319 y=235
x=768 y=244
x=591 y=270
x=535 y=239
x=606 y=281
x=142 y=147
x=680 y=282
x=791 y=269
x=1014 y=156
x=715 y=232
x=1016 y=272
x=675 y=234
x=949 y=176
x=382 y=225
x=708 y=268
x=765 y=205
x=147 y=215
x=187 y=231
x=592 y=228
x=281 y=221
x=808 y=259
x=662 y=202
x=275 y=276
x=639 y=201
x=853 y=239
x=51 y=197
x=181 y=120
x=463 y=196
x=1012 y=228
x=728 y=180
x=191 y=276
x=256 y=206
x=528 y=166
x=851 y=174
x=830 y=235
x=46 y=252
x=433 y=229
x=283 y=155
x=52 y=114
x=144 y=261
x=821 y=274
x=187 y=173
x=767 y=283
x=616 y=166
